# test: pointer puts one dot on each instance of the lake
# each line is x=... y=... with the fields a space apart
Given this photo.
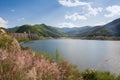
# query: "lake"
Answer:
x=97 y=54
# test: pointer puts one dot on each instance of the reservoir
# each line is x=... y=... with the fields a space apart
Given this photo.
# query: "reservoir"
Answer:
x=96 y=54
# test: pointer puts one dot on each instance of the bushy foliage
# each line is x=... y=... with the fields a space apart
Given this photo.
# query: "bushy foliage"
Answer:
x=69 y=72
x=91 y=74
x=8 y=43
x=24 y=40
x=106 y=76
x=5 y=40
x=27 y=66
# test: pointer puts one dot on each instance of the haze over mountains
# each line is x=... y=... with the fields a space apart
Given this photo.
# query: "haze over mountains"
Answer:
x=75 y=30
x=111 y=29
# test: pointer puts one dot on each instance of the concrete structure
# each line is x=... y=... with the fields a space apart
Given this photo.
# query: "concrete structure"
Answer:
x=25 y=35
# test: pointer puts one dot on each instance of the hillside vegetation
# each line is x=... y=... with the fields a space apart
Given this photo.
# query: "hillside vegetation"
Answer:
x=111 y=29
x=25 y=64
x=41 y=30
x=72 y=32
x=108 y=31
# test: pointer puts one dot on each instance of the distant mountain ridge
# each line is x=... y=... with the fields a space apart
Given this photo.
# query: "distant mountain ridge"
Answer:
x=75 y=30
x=111 y=29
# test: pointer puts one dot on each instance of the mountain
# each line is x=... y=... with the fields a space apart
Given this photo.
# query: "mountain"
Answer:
x=40 y=29
x=75 y=30
x=67 y=29
x=111 y=29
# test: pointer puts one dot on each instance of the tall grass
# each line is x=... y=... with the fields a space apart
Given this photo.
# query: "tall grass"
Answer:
x=17 y=64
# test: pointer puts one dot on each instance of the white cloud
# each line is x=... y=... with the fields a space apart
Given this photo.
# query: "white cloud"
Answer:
x=75 y=17
x=66 y=24
x=113 y=11
x=21 y=19
x=72 y=3
x=87 y=6
x=3 y=23
x=93 y=11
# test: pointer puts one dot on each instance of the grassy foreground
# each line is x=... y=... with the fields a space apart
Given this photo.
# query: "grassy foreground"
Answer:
x=25 y=64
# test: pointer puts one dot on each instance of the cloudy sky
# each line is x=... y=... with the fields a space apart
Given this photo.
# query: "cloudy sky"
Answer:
x=58 y=13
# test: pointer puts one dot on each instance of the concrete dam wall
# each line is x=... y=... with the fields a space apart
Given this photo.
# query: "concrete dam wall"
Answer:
x=25 y=35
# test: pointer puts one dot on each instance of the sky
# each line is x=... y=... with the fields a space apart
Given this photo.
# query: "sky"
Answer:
x=58 y=13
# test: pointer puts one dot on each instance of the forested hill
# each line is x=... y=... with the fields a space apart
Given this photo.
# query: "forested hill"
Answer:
x=41 y=30
x=111 y=29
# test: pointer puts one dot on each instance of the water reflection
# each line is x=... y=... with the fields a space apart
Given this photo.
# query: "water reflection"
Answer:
x=112 y=60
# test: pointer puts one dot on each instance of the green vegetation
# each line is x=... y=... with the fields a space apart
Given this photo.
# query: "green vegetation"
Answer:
x=57 y=55
x=110 y=31
x=5 y=40
x=24 y=40
x=90 y=74
x=41 y=30
x=25 y=64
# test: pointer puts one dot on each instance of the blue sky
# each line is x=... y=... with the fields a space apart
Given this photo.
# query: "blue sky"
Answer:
x=58 y=13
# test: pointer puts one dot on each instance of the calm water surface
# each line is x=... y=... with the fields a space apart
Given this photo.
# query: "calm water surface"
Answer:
x=100 y=55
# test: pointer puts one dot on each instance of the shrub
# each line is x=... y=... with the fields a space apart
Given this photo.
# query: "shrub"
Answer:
x=24 y=40
x=17 y=64
x=106 y=76
x=69 y=72
x=89 y=74
x=5 y=40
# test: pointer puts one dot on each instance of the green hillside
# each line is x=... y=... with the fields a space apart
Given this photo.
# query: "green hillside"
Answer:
x=40 y=29
x=111 y=29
